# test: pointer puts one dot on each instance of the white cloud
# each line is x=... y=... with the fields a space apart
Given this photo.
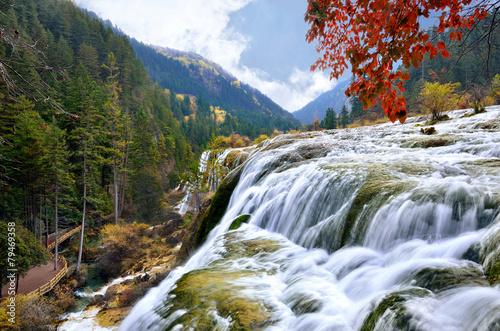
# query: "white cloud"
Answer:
x=201 y=26
x=300 y=88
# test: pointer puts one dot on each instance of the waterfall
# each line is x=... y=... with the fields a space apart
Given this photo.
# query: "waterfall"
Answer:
x=213 y=179
x=371 y=228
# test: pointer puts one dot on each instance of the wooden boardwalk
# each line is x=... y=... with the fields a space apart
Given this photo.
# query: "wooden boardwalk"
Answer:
x=37 y=277
x=41 y=279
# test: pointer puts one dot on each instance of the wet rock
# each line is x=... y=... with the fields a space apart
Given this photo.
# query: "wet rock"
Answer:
x=437 y=280
x=238 y=221
x=235 y=158
x=428 y=131
x=392 y=308
x=218 y=206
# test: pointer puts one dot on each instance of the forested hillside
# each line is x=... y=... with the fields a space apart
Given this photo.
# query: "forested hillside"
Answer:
x=79 y=116
x=189 y=73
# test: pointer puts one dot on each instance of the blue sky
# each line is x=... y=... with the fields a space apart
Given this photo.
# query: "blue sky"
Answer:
x=261 y=42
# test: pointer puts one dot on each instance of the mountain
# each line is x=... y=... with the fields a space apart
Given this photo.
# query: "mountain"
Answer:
x=317 y=108
x=189 y=73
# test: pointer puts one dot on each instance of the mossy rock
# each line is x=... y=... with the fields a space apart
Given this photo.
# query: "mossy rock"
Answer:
x=188 y=242
x=441 y=118
x=437 y=280
x=235 y=158
x=494 y=274
x=204 y=294
x=377 y=189
x=236 y=247
x=303 y=304
x=239 y=221
x=429 y=130
x=493 y=124
x=394 y=302
x=218 y=207
x=112 y=317
x=203 y=297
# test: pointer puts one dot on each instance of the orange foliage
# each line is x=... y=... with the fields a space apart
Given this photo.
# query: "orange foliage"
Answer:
x=373 y=35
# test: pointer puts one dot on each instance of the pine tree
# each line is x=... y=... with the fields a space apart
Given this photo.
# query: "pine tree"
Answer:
x=146 y=188
x=330 y=120
x=344 y=117
x=56 y=158
x=86 y=134
x=115 y=124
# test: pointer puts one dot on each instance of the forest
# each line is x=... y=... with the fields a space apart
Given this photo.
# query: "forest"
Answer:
x=87 y=137
x=100 y=133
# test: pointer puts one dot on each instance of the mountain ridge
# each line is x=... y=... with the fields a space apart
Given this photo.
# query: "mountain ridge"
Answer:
x=316 y=109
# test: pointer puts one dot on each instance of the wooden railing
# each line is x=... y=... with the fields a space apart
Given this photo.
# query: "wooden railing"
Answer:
x=50 y=285
x=64 y=237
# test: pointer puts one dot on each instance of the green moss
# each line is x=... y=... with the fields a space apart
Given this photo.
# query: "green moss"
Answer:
x=376 y=190
x=217 y=291
x=218 y=207
x=394 y=302
x=494 y=274
x=238 y=221
x=205 y=292
x=236 y=247
x=235 y=158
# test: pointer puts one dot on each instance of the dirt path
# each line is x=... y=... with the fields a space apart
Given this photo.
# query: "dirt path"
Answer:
x=35 y=278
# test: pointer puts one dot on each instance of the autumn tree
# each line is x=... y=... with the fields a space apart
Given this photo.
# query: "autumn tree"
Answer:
x=437 y=98
x=372 y=36
x=495 y=89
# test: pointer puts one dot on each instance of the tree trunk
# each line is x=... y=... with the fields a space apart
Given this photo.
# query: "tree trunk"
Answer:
x=115 y=184
x=80 y=250
x=35 y=221
x=123 y=181
x=56 y=235
x=46 y=223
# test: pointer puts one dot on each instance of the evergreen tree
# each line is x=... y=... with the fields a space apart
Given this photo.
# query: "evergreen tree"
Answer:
x=115 y=125
x=56 y=163
x=146 y=188
x=344 y=117
x=330 y=120
x=87 y=134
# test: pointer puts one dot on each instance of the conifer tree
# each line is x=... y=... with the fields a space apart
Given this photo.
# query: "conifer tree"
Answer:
x=330 y=120
x=56 y=158
x=114 y=124
x=344 y=117
x=86 y=134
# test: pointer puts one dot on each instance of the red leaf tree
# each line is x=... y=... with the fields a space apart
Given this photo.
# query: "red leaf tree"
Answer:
x=372 y=35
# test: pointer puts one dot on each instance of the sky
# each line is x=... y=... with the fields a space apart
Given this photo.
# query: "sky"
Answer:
x=261 y=42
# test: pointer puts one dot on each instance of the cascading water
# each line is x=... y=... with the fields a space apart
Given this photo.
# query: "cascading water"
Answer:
x=373 y=228
x=213 y=179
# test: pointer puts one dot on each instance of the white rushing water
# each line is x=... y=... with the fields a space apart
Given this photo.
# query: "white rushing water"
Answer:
x=348 y=220
x=85 y=319
x=213 y=178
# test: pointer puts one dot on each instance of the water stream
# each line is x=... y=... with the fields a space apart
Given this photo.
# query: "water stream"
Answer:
x=372 y=228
